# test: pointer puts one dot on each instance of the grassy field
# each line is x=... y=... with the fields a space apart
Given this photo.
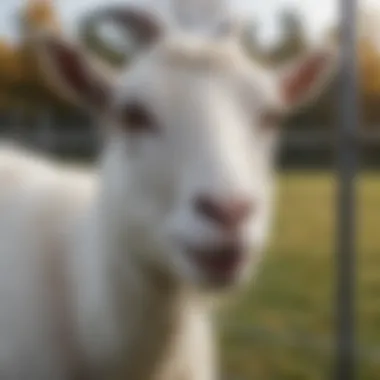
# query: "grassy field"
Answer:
x=289 y=312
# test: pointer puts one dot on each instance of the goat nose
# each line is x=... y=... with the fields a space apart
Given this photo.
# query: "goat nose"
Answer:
x=227 y=214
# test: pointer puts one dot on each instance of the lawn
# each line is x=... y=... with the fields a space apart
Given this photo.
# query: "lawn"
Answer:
x=285 y=323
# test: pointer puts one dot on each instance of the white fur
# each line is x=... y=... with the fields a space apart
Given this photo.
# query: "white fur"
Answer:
x=39 y=198
x=138 y=305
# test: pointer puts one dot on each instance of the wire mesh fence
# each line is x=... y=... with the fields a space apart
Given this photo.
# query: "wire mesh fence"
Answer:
x=308 y=147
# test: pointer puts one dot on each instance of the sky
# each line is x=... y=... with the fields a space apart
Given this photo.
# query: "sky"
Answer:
x=317 y=14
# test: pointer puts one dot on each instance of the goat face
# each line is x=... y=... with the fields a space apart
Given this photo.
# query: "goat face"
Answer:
x=190 y=140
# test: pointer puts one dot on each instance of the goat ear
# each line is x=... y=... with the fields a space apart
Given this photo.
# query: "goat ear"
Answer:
x=72 y=73
x=303 y=80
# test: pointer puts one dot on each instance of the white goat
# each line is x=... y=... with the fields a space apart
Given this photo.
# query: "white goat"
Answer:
x=108 y=275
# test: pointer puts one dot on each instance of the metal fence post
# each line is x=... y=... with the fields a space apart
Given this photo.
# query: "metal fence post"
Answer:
x=347 y=165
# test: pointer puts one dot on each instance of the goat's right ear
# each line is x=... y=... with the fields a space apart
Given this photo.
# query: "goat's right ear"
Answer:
x=72 y=73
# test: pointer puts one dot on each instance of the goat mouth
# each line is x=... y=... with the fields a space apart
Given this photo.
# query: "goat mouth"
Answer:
x=222 y=264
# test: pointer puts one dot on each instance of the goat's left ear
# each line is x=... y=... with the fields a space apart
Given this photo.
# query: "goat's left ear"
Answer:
x=302 y=81
x=71 y=72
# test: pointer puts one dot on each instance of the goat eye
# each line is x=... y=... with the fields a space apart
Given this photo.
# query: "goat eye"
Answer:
x=135 y=118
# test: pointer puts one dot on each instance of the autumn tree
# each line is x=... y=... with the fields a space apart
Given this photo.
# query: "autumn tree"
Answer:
x=30 y=88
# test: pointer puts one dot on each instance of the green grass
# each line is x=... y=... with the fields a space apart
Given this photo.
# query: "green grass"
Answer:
x=290 y=307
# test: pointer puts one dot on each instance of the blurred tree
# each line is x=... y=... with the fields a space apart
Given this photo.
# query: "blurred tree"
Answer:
x=369 y=69
x=31 y=89
x=11 y=69
x=38 y=14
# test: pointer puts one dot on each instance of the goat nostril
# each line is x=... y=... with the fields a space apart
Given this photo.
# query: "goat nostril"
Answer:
x=229 y=214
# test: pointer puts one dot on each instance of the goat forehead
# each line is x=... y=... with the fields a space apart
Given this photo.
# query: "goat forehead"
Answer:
x=161 y=83
x=222 y=57
x=178 y=69
x=198 y=54
x=191 y=54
